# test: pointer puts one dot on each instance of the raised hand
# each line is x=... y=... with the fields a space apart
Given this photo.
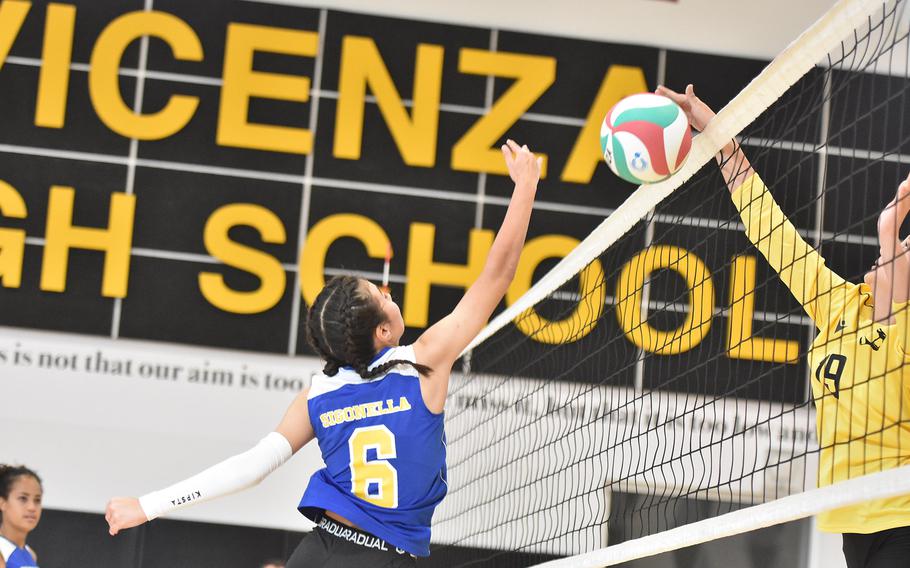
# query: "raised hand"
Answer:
x=894 y=253
x=890 y=220
x=734 y=165
x=698 y=113
x=124 y=513
x=524 y=167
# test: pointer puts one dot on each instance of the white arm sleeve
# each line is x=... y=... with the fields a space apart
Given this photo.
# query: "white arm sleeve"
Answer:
x=232 y=475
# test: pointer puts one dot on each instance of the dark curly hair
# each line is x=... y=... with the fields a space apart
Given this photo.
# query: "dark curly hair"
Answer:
x=8 y=475
x=340 y=327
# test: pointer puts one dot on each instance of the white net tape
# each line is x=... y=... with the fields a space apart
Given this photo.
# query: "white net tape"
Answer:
x=879 y=485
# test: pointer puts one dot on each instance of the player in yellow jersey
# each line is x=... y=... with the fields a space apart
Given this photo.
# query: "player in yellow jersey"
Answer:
x=860 y=377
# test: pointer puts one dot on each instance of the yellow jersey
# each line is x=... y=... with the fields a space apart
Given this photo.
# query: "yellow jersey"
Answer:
x=860 y=380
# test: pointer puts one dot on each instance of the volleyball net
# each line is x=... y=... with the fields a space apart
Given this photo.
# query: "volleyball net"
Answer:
x=652 y=390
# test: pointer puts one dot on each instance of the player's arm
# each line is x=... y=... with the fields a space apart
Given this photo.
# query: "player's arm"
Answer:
x=899 y=311
x=295 y=426
x=440 y=345
x=233 y=474
x=799 y=266
x=895 y=258
x=892 y=250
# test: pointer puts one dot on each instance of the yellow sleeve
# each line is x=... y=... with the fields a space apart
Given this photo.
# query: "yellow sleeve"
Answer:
x=799 y=266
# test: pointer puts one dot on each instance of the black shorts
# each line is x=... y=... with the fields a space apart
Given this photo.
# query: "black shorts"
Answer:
x=883 y=549
x=332 y=545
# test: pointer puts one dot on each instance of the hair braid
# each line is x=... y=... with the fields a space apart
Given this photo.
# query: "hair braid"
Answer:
x=340 y=328
x=316 y=330
x=359 y=323
x=383 y=368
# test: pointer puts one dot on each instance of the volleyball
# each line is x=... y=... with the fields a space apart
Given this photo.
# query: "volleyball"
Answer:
x=645 y=138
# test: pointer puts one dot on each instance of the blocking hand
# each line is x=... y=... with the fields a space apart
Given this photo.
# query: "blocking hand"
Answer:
x=698 y=113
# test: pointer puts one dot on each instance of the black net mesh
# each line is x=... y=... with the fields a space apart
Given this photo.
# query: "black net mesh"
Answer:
x=670 y=381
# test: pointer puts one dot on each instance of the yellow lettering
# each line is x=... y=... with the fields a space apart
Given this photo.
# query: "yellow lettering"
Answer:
x=115 y=242
x=362 y=66
x=12 y=241
x=533 y=73
x=327 y=231
x=241 y=84
x=263 y=265
x=103 y=78
x=423 y=272
x=620 y=81
x=377 y=471
x=629 y=298
x=361 y=411
x=53 y=83
x=591 y=292
x=740 y=342
x=12 y=16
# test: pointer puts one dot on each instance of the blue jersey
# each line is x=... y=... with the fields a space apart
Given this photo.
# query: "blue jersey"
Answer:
x=16 y=557
x=384 y=452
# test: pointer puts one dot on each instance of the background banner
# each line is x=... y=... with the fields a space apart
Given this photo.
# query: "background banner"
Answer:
x=178 y=178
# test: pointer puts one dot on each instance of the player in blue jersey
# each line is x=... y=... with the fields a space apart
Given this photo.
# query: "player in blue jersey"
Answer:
x=376 y=411
x=20 y=511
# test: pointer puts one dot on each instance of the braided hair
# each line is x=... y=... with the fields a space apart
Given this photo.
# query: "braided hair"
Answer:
x=8 y=475
x=340 y=326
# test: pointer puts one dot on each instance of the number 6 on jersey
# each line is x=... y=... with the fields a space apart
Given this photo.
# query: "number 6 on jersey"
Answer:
x=378 y=473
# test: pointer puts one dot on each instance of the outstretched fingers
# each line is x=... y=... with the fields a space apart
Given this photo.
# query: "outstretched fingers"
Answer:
x=677 y=98
x=508 y=155
x=523 y=165
x=511 y=149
